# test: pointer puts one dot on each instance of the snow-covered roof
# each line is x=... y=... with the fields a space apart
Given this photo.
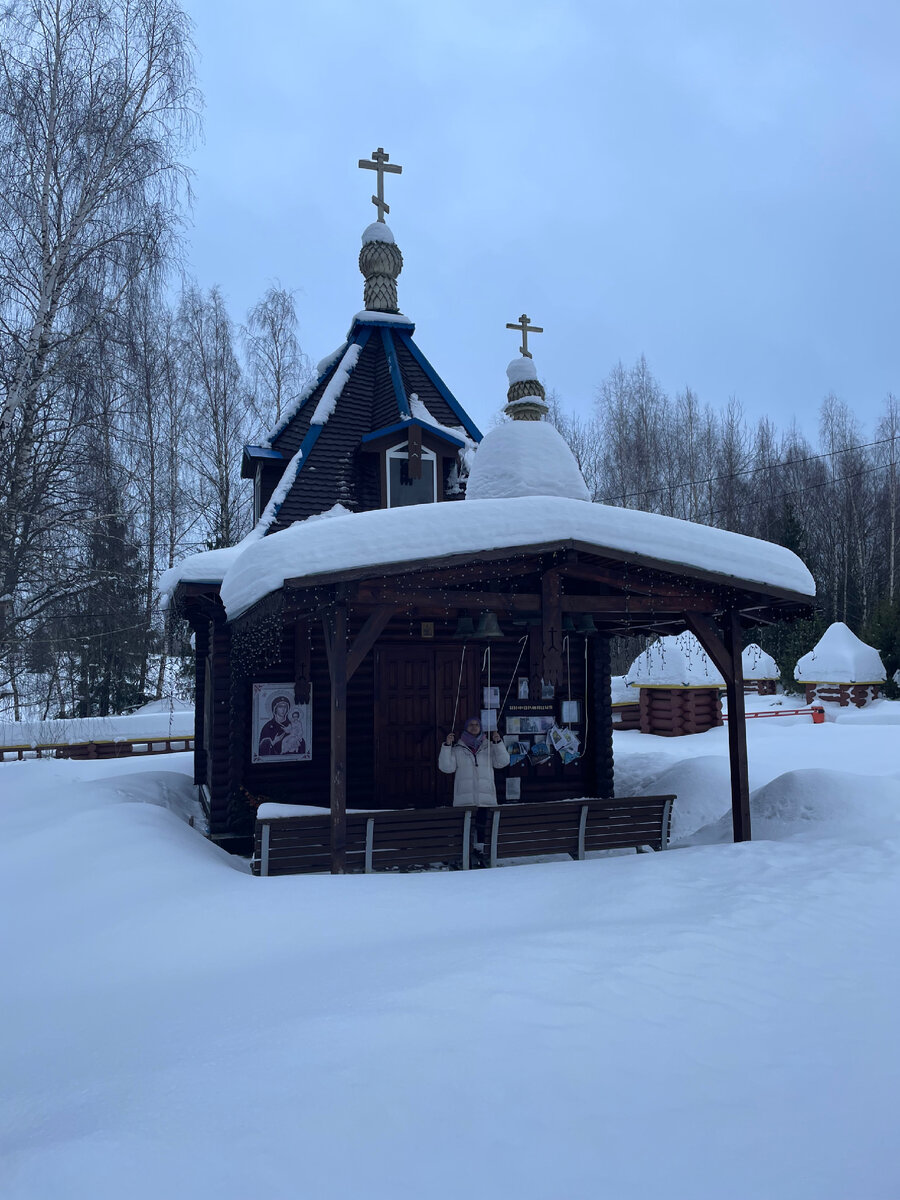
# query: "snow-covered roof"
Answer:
x=840 y=657
x=674 y=662
x=756 y=664
x=619 y=691
x=372 y=316
x=336 y=383
x=158 y=720
x=377 y=232
x=521 y=370
x=430 y=532
x=525 y=458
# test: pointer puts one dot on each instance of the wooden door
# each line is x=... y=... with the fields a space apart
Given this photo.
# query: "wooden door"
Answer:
x=415 y=696
x=404 y=727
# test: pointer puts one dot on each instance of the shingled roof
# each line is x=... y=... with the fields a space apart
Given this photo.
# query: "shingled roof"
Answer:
x=378 y=382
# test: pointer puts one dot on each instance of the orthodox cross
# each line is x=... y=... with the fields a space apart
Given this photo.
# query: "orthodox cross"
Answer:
x=522 y=324
x=381 y=165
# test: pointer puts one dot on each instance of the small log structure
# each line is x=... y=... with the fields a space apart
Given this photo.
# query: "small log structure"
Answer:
x=844 y=694
x=674 y=711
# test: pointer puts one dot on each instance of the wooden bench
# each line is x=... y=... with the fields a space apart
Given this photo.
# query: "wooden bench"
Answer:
x=400 y=838
x=574 y=827
x=403 y=838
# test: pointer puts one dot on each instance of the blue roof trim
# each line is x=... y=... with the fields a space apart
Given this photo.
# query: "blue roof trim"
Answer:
x=389 y=322
x=402 y=426
x=312 y=434
x=262 y=452
x=390 y=350
x=468 y=424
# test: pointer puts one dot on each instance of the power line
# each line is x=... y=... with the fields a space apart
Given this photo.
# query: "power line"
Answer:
x=776 y=466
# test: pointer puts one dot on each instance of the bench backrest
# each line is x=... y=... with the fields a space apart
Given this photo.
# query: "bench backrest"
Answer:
x=389 y=838
x=290 y=845
x=577 y=826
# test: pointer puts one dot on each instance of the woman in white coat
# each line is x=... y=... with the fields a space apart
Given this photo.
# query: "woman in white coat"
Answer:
x=472 y=761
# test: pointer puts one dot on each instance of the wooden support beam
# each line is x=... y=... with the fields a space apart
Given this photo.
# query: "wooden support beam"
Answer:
x=302 y=670
x=336 y=621
x=707 y=633
x=327 y=633
x=519 y=602
x=414 y=452
x=411 y=596
x=368 y=636
x=551 y=628
x=737 y=731
x=725 y=653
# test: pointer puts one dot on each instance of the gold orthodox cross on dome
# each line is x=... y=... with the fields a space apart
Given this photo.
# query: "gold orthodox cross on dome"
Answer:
x=381 y=165
x=523 y=325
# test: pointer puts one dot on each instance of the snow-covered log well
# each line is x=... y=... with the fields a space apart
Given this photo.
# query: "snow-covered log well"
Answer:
x=678 y=687
x=841 y=669
x=760 y=671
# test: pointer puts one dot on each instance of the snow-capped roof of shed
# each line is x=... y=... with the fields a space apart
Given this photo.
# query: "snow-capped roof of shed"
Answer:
x=756 y=664
x=840 y=656
x=676 y=662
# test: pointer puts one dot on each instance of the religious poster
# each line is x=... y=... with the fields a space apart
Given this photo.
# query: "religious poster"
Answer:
x=517 y=748
x=491 y=697
x=489 y=719
x=282 y=730
x=540 y=752
x=522 y=690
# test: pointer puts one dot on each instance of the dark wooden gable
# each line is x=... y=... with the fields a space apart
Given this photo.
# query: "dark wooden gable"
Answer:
x=334 y=468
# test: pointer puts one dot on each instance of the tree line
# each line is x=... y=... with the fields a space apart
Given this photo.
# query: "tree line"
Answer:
x=833 y=500
x=127 y=391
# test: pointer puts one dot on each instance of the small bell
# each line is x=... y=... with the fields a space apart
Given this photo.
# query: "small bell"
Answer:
x=568 y=624
x=465 y=628
x=488 y=626
x=585 y=624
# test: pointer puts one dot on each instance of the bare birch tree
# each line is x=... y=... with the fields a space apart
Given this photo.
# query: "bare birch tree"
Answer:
x=97 y=103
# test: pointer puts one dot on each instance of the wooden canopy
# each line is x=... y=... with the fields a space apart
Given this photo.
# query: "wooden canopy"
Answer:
x=538 y=585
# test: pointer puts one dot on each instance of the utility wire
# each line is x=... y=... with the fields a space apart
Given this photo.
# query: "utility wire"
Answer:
x=775 y=466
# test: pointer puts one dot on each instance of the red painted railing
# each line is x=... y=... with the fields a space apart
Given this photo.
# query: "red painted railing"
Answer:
x=816 y=712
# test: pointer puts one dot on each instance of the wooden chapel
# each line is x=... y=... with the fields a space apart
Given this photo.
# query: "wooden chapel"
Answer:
x=404 y=573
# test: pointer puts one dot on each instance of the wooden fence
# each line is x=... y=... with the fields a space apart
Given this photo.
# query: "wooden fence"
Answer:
x=95 y=750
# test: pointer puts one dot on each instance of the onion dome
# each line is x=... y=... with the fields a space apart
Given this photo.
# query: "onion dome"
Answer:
x=380 y=262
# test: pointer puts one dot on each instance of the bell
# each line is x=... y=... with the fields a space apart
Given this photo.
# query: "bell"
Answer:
x=585 y=624
x=488 y=626
x=465 y=628
x=568 y=623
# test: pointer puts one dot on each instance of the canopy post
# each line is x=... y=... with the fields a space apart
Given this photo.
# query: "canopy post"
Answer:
x=726 y=655
x=737 y=730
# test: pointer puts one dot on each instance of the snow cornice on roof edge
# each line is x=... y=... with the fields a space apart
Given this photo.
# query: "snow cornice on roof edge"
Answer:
x=430 y=533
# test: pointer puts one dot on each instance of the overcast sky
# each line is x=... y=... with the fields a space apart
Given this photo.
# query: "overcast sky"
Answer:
x=711 y=184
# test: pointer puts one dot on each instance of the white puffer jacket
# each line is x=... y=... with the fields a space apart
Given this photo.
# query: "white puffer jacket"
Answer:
x=474 y=782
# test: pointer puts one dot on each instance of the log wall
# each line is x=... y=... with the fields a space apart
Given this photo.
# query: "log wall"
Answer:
x=845 y=694
x=674 y=712
x=250 y=784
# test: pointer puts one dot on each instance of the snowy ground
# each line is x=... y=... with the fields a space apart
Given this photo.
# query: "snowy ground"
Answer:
x=716 y=1021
